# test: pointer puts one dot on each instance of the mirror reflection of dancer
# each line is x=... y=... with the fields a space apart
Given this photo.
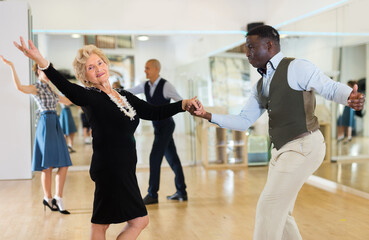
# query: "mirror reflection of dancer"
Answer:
x=67 y=124
x=286 y=91
x=346 y=122
x=86 y=128
x=114 y=117
x=159 y=91
x=50 y=149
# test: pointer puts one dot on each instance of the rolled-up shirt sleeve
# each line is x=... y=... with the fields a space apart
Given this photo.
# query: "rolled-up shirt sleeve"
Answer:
x=248 y=115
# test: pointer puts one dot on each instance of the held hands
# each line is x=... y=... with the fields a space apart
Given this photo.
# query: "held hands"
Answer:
x=356 y=100
x=189 y=102
x=32 y=52
x=195 y=108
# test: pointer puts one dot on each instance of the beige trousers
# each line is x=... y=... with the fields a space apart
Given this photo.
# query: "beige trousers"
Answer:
x=289 y=168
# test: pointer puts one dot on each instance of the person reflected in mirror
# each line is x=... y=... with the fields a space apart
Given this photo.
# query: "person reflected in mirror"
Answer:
x=159 y=91
x=50 y=149
x=346 y=122
x=68 y=125
x=86 y=127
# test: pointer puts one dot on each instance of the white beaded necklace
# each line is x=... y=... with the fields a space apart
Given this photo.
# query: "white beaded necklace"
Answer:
x=123 y=105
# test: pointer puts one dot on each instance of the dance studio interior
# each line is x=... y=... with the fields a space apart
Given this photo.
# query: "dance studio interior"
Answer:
x=202 y=51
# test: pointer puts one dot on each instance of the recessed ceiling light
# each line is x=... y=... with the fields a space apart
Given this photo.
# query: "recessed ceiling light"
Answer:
x=143 y=38
x=76 y=35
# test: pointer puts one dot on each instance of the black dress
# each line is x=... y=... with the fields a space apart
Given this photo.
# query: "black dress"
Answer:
x=113 y=166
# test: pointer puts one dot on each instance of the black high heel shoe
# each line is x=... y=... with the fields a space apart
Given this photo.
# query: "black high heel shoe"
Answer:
x=46 y=204
x=54 y=204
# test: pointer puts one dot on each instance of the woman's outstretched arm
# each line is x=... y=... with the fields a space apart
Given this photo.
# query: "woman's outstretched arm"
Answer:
x=75 y=93
x=28 y=89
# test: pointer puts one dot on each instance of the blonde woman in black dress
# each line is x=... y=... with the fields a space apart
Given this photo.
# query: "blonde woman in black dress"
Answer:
x=114 y=117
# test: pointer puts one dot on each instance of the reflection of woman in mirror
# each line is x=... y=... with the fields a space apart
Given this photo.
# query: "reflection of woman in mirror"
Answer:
x=346 y=122
x=68 y=125
x=50 y=149
x=86 y=127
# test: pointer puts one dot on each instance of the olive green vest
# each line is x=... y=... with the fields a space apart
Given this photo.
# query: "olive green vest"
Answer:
x=291 y=112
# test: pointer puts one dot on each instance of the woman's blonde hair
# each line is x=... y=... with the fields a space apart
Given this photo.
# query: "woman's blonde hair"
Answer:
x=35 y=68
x=79 y=62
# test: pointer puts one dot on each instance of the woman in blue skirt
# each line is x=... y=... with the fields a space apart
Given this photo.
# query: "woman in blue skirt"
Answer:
x=50 y=149
x=68 y=125
x=346 y=122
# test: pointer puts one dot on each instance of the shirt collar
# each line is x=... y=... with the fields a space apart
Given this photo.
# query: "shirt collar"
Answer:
x=155 y=83
x=272 y=63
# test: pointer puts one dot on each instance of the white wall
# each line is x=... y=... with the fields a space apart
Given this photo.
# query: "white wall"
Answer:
x=164 y=15
x=15 y=121
x=145 y=15
x=280 y=11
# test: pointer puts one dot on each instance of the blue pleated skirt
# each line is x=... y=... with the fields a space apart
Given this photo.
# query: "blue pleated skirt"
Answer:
x=50 y=149
x=67 y=122
x=347 y=118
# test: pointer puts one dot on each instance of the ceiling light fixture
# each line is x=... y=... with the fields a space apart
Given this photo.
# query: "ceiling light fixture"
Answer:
x=75 y=35
x=143 y=38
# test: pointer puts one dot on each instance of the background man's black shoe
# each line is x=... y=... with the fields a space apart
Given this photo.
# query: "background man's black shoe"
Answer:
x=177 y=196
x=150 y=200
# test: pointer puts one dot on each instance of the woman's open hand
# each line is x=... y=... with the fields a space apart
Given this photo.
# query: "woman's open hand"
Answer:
x=32 y=52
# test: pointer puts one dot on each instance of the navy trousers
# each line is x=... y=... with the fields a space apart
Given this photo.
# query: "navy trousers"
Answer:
x=164 y=146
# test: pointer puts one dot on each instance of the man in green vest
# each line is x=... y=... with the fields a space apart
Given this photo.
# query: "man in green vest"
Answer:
x=286 y=91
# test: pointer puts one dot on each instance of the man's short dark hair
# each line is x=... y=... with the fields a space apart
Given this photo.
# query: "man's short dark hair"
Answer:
x=265 y=31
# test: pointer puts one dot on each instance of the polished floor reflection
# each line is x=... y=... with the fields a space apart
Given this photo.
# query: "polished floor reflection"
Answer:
x=354 y=174
x=350 y=165
x=358 y=147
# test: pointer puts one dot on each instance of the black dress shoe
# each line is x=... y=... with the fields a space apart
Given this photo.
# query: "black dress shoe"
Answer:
x=46 y=204
x=177 y=196
x=56 y=206
x=150 y=200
